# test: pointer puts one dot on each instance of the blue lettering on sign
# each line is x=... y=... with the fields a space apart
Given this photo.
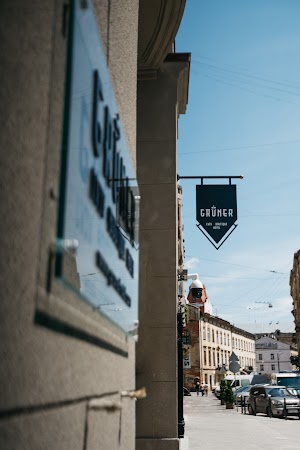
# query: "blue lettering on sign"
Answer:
x=116 y=159
x=113 y=167
x=107 y=146
x=115 y=233
x=96 y=193
x=96 y=124
x=105 y=136
x=112 y=279
x=129 y=263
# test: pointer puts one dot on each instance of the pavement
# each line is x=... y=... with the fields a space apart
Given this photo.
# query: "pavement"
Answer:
x=209 y=425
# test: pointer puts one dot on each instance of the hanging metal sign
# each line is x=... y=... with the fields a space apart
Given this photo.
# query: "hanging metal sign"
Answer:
x=216 y=212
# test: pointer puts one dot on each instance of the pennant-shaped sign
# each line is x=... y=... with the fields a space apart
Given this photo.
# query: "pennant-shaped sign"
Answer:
x=216 y=211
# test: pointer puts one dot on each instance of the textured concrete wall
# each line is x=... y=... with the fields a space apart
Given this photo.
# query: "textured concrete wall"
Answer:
x=47 y=379
x=118 y=26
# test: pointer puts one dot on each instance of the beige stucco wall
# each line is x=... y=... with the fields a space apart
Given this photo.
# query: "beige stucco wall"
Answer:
x=206 y=334
x=295 y=293
x=47 y=378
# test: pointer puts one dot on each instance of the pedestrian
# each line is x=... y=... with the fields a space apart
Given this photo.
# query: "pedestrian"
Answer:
x=206 y=390
x=202 y=389
x=197 y=387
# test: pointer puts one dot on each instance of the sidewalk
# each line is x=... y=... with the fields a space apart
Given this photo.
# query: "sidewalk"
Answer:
x=210 y=426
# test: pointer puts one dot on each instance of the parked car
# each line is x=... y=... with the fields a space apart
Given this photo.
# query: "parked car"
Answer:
x=294 y=391
x=241 y=389
x=273 y=400
x=235 y=381
x=242 y=394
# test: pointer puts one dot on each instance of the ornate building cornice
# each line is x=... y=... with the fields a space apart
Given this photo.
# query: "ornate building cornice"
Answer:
x=159 y=21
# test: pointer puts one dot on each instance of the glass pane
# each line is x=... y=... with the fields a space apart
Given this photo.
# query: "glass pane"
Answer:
x=97 y=241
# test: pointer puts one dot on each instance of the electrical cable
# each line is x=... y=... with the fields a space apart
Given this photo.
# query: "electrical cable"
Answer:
x=247 y=72
x=243 y=147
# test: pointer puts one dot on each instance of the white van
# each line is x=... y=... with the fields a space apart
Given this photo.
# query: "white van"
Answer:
x=235 y=381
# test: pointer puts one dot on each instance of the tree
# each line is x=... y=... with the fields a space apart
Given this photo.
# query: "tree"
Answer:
x=223 y=386
x=229 y=396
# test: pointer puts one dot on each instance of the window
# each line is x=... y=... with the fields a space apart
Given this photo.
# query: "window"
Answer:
x=204 y=358
x=272 y=356
x=232 y=342
x=213 y=335
x=272 y=366
x=217 y=333
x=221 y=338
x=209 y=357
x=261 y=367
x=257 y=391
x=208 y=334
x=214 y=358
x=260 y=357
x=204 y=333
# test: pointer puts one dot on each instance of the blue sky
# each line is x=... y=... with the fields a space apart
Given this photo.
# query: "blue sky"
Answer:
x=243 y=117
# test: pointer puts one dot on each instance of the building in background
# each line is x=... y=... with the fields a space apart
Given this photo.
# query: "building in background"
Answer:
x=211 y=342
x=91 y=93
x=295 y=293
x=273 y=355
x=287 y=338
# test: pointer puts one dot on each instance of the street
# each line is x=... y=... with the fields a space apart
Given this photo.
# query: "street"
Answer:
x=208 y=425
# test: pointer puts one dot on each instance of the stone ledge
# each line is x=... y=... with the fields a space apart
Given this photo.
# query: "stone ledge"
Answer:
x=157 y=443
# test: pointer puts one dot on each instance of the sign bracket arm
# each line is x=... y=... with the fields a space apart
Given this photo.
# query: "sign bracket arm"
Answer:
x=201 y=177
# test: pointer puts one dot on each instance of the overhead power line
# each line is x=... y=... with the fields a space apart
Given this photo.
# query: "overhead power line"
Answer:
x=242 y=265
x=249 y=73
x=255 y=80
x=242 y=88
x=243 y=147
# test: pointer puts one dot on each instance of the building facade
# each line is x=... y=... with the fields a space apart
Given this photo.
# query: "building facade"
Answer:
x=287 y=338
x=212 y=341
x=295 y=293
x=272 y=356
x=90 y=97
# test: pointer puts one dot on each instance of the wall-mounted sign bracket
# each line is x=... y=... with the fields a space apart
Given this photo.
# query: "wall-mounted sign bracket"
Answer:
x=202 y=177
